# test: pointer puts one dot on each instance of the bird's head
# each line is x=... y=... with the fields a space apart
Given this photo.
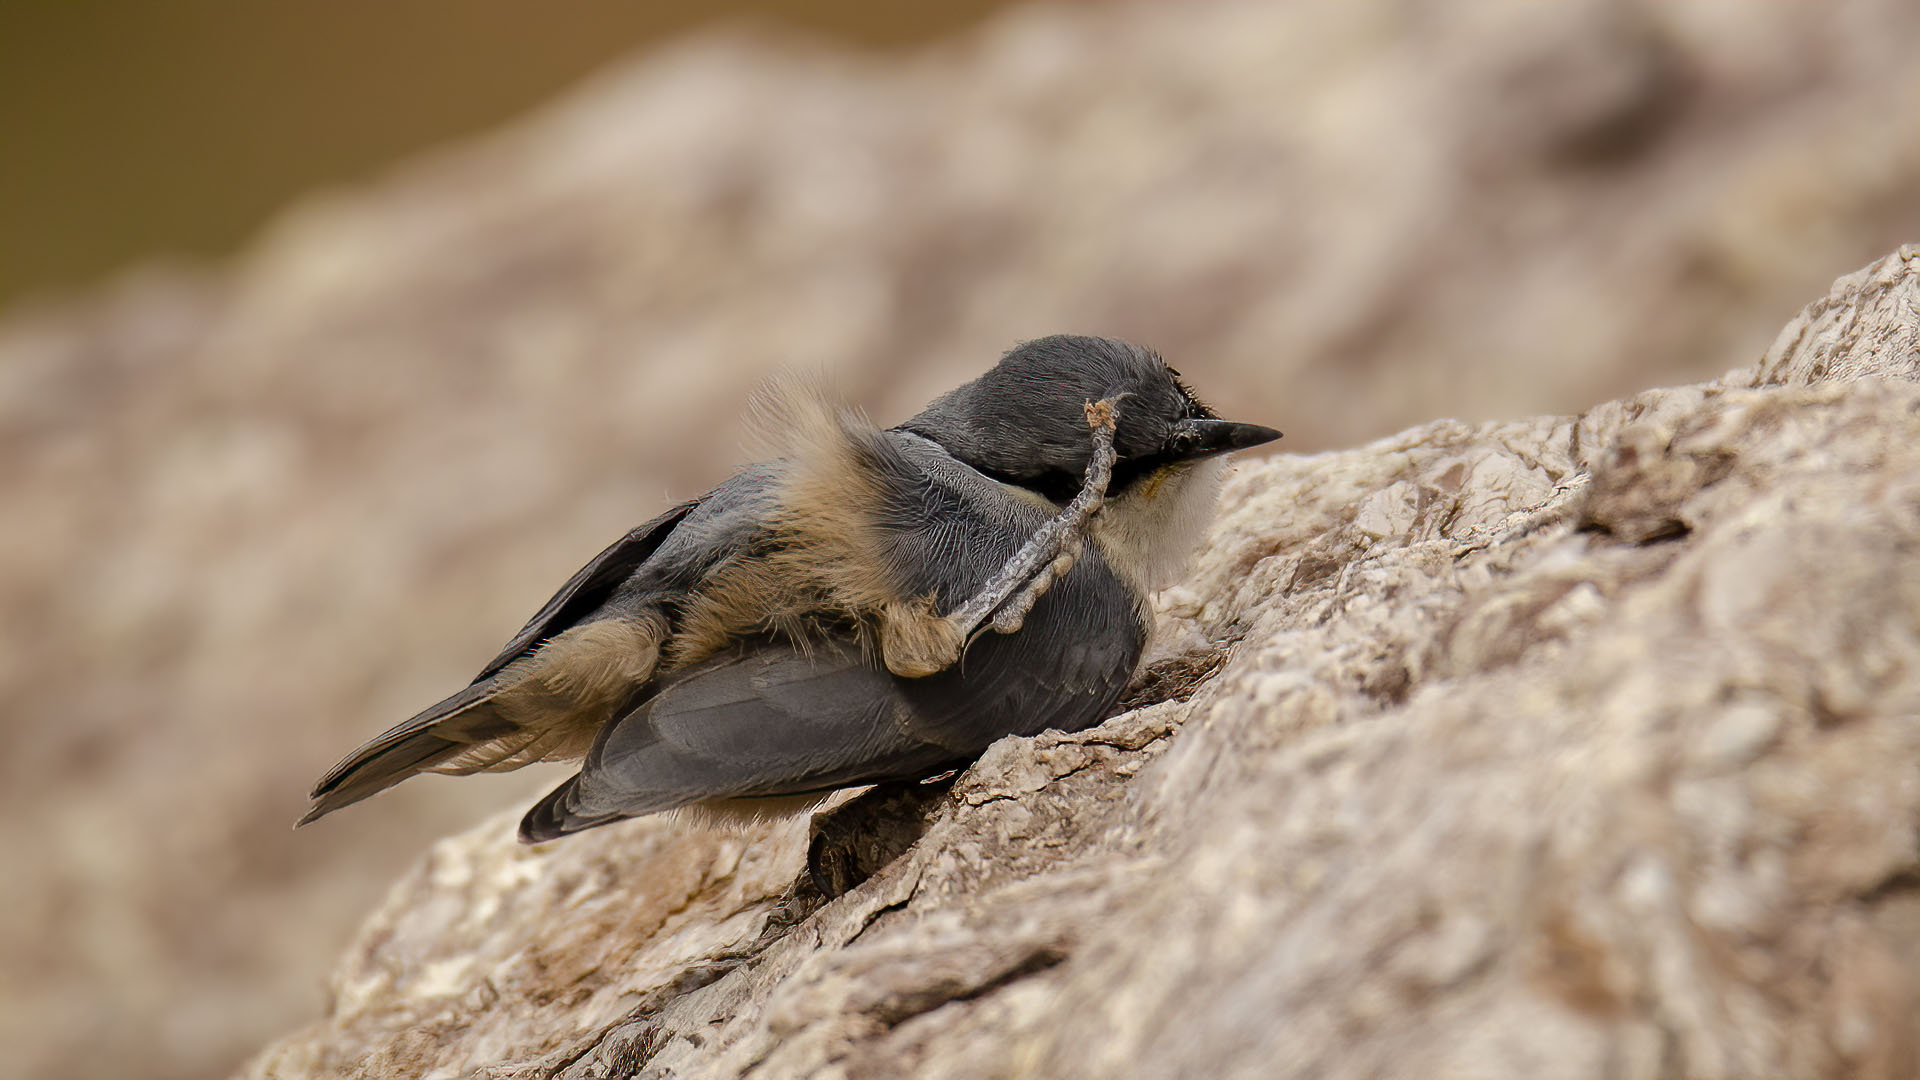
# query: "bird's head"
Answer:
x=1024 y=422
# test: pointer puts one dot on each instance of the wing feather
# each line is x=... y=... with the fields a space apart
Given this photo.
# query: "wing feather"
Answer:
x=769 y=720
x=590 y=586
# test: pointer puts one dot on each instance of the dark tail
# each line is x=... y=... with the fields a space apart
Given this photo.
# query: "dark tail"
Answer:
x=364 y=776
x=409 y=748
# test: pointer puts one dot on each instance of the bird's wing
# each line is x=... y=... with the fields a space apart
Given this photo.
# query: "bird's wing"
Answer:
x=543 y=696
x=588 y=588
x=766 y=720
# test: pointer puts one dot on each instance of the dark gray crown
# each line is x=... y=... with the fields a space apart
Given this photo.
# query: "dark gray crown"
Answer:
x=1024 y=421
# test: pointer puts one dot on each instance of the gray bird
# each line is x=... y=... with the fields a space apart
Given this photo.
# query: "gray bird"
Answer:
x=873 y=605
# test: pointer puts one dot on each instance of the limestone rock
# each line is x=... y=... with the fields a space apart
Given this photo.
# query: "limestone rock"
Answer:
x=1573 y=746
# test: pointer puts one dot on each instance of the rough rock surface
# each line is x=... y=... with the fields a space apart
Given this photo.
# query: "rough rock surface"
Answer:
x=256 y=513
x=1570 y=747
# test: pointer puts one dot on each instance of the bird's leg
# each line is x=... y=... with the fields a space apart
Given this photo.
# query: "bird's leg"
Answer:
x=1049 y=553
x=1010 y=594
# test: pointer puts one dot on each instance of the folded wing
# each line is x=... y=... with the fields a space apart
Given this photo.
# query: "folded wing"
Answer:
x=760 y=721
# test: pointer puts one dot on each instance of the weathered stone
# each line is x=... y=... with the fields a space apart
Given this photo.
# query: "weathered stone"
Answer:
x=1570 y=747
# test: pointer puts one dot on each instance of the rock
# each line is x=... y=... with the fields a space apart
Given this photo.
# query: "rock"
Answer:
x=1572 y=746
x=263 y=510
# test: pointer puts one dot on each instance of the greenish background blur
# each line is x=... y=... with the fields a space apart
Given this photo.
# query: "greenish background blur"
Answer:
x=131 y=129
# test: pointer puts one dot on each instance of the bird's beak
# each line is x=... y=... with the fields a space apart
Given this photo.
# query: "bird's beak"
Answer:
x=1204 y=438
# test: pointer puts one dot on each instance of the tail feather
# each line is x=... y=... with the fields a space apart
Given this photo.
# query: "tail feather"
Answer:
x=397 y=740
x=546 y=706
x=369 y=773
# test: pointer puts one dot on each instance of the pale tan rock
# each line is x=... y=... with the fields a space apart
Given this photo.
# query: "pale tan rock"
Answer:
x=1575 y=746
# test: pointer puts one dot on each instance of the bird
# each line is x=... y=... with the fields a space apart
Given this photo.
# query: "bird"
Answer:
x=868 y=605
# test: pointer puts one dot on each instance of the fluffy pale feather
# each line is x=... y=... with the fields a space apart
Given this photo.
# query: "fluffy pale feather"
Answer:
x=827 y=564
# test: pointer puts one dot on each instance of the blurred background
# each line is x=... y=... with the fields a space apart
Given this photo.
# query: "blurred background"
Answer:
x=334 y=336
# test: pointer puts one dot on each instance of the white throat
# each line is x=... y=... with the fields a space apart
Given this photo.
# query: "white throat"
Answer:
x=1151 y=532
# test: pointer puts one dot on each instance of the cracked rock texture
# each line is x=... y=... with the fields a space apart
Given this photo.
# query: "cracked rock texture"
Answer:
x=1567 y=747
x=255 y=513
